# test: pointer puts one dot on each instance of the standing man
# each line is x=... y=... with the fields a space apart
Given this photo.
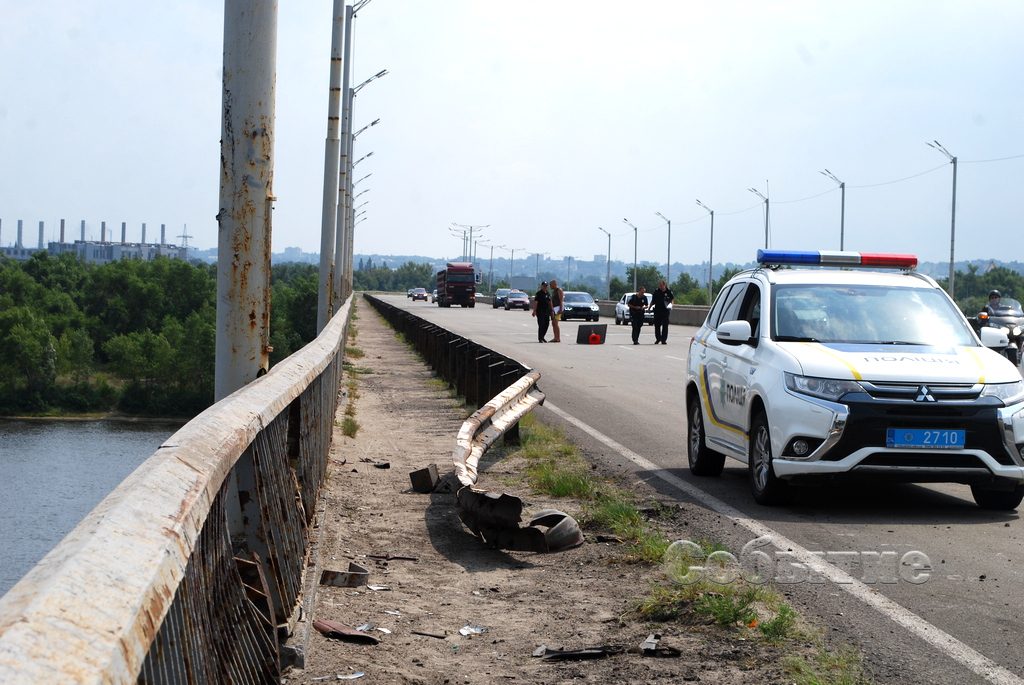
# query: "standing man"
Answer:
x=557 y=297
x=662 y=300
x=542 y=310
x=637 y=304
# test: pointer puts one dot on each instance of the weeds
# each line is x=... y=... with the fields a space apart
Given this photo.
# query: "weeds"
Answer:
x=349 y=426
x=781 y=626
x=840 y=667
x=354 y=352
x=728 y=608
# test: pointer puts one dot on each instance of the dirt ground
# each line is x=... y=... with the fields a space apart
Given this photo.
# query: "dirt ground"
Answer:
x=571 y=599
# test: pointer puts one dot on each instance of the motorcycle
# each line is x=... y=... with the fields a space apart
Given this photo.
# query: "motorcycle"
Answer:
x=1009 y=316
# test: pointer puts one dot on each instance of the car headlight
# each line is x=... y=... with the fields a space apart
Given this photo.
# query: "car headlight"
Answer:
x=825 y=388
x=1009 y=393
x=594 y=308
x=1015 y=332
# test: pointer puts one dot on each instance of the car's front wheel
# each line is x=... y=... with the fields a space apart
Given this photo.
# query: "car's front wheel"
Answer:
x=1000 y=500
x=702 y=460
x=766 y=486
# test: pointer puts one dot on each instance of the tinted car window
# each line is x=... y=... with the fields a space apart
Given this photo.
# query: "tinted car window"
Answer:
x=583 y=298
x=731 y=307
x=716 y=309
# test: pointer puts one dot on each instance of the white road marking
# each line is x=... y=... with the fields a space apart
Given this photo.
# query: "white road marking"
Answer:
x=941 y=640
x=678 y=359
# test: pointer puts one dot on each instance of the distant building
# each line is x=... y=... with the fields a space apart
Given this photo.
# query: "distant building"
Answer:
x=95 y=252
x=600 y=258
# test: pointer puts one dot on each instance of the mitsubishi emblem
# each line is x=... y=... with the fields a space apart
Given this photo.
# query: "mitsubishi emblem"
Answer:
x=924 y=395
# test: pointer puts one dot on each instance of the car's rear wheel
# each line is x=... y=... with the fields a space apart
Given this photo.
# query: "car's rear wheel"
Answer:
x=766 y=486
x=703 y=461
x=1000 y=500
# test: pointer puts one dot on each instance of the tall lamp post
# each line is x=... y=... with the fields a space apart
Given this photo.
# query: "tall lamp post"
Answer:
x=668 y=260
x=842 y=207
x=608 y=263
x=470 y=228
x=626 y=221
x=711 y=249
x=757 y=192
x=952 y=221
x=512 y=263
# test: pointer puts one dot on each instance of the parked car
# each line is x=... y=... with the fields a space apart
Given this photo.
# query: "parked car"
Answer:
x=855 y=373
x=517 y=299
x=500 y=295
x=419 y=294
x=622 y=310
x=579 y=305
x=433 y=295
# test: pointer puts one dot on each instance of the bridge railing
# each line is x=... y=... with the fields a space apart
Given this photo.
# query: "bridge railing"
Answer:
x=191 y=568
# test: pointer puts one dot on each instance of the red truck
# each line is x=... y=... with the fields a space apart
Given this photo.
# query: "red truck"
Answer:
x=456 y=285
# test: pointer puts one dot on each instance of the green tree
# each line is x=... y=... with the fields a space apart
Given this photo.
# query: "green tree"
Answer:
x=29 y=362
x=75 y=353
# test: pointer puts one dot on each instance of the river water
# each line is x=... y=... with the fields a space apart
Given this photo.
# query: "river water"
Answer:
x=52 y=473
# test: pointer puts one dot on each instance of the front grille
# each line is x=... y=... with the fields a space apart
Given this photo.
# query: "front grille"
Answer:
x=870 y=418
x=955 y=392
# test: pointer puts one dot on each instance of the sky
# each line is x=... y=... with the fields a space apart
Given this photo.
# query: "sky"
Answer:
x=542 y=119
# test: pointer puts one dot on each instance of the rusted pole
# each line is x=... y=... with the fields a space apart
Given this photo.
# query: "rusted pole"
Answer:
x=332 y=155
x=247 y=171
x=343 y=226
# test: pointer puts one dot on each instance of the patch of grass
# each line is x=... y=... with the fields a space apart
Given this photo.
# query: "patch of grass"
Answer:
x=353 y=331
x=780 y=627
x=349 y=426
x=354 y=352
x=548 y=478
x=829 y=667
x=667 y=603
x=353 y=391
x=728 y=608
x=400 y=337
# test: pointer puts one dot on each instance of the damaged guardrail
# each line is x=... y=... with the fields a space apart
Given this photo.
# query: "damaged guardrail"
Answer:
x=495 y=517
x=477 y=373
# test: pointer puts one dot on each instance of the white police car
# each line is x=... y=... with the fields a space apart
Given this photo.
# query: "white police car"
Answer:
x=805 y=373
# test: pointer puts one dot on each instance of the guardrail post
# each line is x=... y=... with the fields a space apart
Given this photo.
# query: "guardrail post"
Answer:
x=469 y=373
x=482 y=367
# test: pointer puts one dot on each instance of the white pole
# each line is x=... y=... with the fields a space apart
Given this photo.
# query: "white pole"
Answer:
x=246 y=193
x=341 y=267
x=332 y=160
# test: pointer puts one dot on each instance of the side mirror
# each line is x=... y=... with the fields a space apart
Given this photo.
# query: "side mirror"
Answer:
x=993 y=337
x=734 y=332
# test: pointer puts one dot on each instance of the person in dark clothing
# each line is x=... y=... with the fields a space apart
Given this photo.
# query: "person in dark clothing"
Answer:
x=661 y=299
x=637 y=304
x=542 y=310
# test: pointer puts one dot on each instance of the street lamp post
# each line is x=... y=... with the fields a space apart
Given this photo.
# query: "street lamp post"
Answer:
x=668 y=260
x=842 y=207
x=608 y=263
x=626 y=221
x=470 y=228
x=952 y=221
x=711 y=250
x=757 y=192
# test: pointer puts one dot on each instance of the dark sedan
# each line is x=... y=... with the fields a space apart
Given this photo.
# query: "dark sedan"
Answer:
x=419 y=294
x=517 y=299
x=500 y=295
x=579 y=305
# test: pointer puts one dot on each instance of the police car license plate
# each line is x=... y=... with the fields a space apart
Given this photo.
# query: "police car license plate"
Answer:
x=925 y=438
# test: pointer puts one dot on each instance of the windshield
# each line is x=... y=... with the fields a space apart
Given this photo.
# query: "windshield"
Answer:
x=420 y=290
x=460 y=278
x=579 y=297
x=517 y=296
x=1008 y=307
x=866 y=314
x=501 y=292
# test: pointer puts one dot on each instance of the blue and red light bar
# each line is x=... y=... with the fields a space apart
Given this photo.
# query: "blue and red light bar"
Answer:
x=836 y=258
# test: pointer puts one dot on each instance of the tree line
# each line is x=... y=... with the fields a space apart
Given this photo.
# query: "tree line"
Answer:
x=131 y=336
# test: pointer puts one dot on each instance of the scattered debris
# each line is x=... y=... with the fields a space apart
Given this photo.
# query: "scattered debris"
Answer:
x=341 y=676
x=652 y=647
x=365 y=627
x=382 y=465
x=601 y=537
x=596 y=652
x=472 y=630
x=384 y=630
x=337 y=631
x=392 y=612
x=424 y=633
x=355 y=576
x=379 y=588
x=424 y=480
x=392 y=557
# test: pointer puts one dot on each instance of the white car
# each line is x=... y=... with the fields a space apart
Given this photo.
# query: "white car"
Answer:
x=808 y=373
x=622 y=310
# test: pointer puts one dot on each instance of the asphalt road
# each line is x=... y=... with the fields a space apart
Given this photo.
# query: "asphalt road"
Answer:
x=633 y=394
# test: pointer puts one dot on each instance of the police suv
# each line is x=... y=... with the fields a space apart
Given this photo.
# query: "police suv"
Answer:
x=805 y=373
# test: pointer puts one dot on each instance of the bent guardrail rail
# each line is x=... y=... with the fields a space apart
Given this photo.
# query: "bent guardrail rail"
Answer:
x=477 y=372
x=188 y=571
